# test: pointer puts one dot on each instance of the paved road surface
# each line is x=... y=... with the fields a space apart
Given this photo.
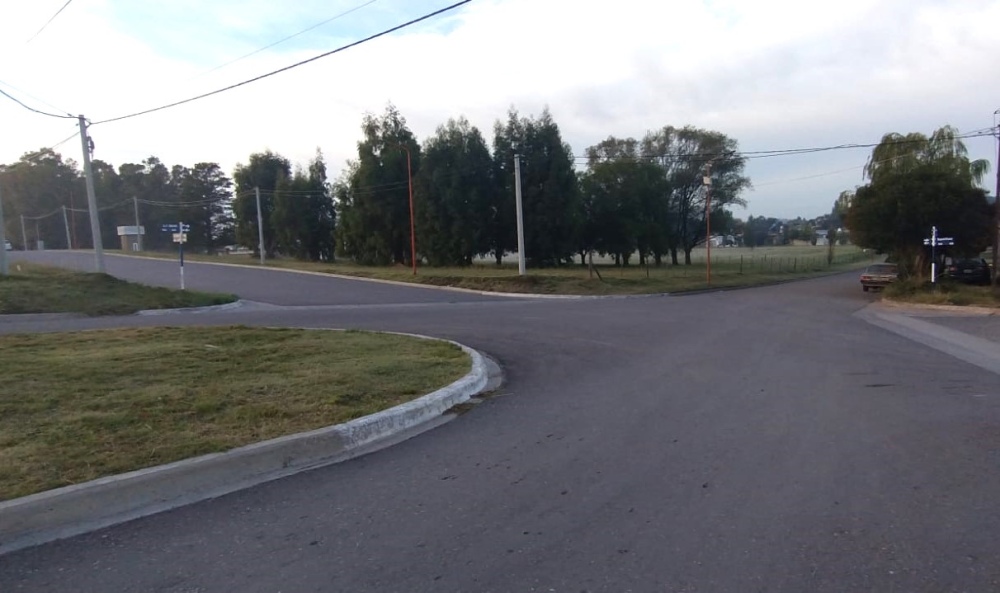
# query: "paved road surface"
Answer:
x=747 y=441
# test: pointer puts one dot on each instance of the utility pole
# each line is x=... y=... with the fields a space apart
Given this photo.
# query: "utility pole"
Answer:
x=138 y=231
x=996 y=212
x=69 y=242
x=4 y=271
x=707 y=181
x=520 y=215
x=24 y=235
x=88 y=172
x=260 y=226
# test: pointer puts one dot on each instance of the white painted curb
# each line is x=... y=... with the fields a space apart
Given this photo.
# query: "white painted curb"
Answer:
x=206 y=309
x=513 y=295
x=81 y=508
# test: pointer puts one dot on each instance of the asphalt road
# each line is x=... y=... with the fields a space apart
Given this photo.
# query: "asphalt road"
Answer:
x=745 y=441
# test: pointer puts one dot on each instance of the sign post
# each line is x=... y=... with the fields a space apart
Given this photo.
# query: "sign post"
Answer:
x=934 y=241
x=180 y=231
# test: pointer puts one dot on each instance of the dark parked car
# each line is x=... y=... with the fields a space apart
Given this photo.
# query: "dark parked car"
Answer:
x=878 y=276
x=968 y=271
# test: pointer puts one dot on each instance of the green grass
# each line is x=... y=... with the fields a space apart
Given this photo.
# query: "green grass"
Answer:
x=731 y=267
x=32 y=288
x=943 y=293
x=83 y=405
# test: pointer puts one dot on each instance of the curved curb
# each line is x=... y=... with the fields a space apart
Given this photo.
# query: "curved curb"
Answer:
x=510 y=295
x=80 y=508
x=237 y=304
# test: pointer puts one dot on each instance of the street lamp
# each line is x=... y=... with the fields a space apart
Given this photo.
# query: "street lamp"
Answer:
x=413 y=235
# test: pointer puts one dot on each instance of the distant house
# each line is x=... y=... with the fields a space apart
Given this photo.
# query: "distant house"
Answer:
x=822 y=237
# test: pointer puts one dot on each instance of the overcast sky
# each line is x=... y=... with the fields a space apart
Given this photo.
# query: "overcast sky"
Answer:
x=772 y=74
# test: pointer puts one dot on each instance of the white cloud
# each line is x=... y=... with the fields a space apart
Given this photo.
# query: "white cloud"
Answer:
x=771 y=73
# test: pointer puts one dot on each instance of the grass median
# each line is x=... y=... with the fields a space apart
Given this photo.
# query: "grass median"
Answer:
x=83 y=405
x=731 y=267
x=31 y=288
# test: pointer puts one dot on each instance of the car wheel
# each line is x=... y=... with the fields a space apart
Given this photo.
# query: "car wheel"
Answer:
x=864 y=288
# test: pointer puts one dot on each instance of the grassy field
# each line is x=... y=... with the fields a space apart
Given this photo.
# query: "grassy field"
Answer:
x=730 y=267
x=31 y=288
x=943 y=293
x=83 y=405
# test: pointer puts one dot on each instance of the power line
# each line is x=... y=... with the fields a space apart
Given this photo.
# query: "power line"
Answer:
x=18 y=101
x=27 y=94
x=286 y=68
x=292 y=36
x=52 y=18
x=63 y=141
x=759 y=154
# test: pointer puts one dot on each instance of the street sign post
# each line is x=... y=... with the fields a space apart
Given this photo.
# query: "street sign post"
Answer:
x=179 y=232
x=933 y=242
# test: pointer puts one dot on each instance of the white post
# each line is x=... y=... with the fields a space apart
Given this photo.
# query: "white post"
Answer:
x=520 y=215
x=260 y=226
x=138 y=233
x=69 y=241
x=180 y=249
x=933 y=255
x=3 y=241
x=88 y=173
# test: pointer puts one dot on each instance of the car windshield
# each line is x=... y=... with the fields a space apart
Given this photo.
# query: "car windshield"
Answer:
x=882 y=269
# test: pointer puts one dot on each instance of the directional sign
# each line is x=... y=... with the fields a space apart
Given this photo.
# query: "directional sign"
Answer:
x=180 y=237
x=945 y=241
x=175 y=228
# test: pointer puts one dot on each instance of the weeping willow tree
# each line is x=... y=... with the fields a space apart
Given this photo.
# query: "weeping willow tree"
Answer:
x=916 y=182
x=899 y=154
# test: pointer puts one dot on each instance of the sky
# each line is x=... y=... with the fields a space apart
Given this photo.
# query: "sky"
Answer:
x=773 y=74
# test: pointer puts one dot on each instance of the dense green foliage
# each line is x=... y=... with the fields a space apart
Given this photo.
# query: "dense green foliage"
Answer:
x=456 y=189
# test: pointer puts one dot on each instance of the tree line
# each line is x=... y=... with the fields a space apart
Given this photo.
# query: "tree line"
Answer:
x=624 y=197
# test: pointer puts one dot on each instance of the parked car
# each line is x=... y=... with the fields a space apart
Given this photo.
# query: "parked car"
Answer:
x=7 y=245
x=878 y=276
x=968 y=271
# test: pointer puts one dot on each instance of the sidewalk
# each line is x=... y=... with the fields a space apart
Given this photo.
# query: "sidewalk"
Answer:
x=973 y=337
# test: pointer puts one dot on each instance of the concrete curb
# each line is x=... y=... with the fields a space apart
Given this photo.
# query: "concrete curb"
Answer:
x=238 y=304
x=970 y=310
x=512 y=295
x=972 y=349
x=32 y=317
x=516 y=295
x=77 y=509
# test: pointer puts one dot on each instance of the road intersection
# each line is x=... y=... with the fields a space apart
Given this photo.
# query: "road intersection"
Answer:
x=768 y=439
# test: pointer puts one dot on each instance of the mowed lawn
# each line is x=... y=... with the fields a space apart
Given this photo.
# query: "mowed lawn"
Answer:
x=79 y=406
x=33 y=288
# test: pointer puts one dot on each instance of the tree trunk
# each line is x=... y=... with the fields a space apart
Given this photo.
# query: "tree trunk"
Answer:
x=498 y=254
x=673 y=257
x=658 y=259
x=687 y=256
